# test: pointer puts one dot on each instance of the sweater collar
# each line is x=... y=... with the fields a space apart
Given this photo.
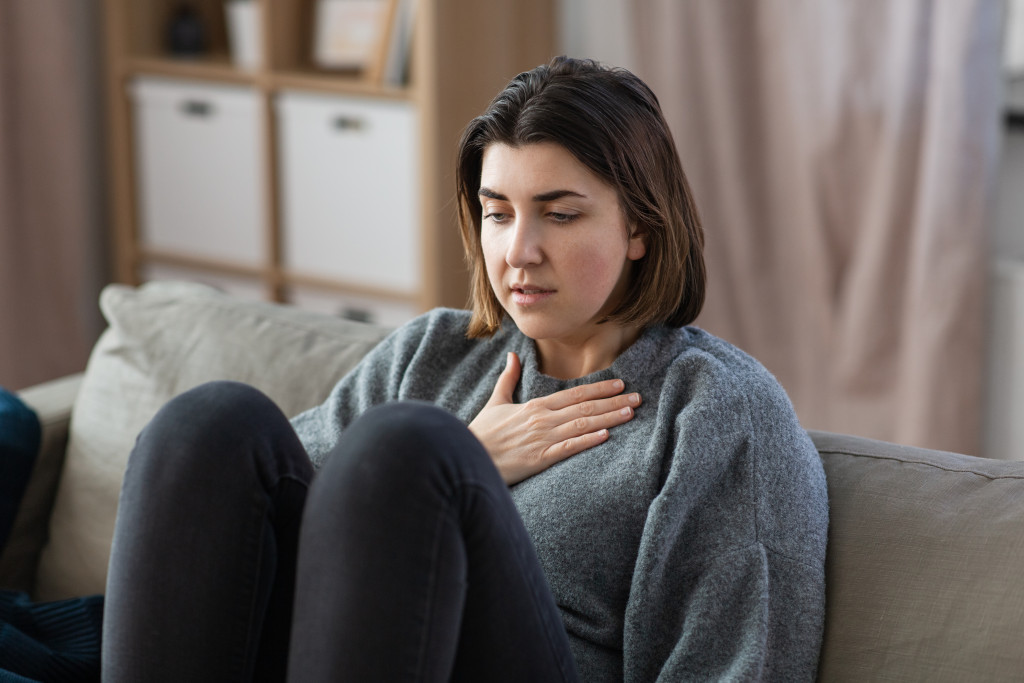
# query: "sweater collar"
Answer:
x=633 y=365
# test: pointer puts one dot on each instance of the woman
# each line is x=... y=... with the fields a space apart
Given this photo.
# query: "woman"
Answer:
x=633 y=499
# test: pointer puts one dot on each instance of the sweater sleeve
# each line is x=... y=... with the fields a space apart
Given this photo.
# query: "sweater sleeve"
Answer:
x=729 y=578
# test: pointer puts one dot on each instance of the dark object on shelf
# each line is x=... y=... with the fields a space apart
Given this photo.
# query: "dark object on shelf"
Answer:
x=1015 y=102
x=186 y=35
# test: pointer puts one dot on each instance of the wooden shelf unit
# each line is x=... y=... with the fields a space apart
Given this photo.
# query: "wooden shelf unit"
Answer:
x=462 y=53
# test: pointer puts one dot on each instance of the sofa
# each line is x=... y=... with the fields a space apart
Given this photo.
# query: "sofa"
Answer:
x=925 y=565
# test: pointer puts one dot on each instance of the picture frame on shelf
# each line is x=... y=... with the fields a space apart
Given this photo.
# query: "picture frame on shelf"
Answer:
x=349 y=34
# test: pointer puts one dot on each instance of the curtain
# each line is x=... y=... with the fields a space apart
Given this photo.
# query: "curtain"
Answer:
x=843 y=155
x=51 y=249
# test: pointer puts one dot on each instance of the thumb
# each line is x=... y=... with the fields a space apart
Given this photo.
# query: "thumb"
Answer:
x=507 y=381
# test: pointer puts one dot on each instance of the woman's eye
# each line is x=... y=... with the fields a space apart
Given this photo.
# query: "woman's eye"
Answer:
x=496 y=217
x=563 y=217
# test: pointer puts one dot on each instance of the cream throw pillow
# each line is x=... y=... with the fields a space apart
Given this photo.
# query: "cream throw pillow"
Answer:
x=163 y=339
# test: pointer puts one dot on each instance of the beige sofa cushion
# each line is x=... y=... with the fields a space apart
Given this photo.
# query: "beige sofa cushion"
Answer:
x=163 y=339
x=925 y=566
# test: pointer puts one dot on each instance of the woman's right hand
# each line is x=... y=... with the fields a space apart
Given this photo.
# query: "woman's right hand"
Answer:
x=526 y=438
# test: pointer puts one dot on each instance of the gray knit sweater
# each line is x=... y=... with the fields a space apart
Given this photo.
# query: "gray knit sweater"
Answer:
x=690 y=545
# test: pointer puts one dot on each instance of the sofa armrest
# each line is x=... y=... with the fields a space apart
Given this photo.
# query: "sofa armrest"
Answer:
x=52 y=402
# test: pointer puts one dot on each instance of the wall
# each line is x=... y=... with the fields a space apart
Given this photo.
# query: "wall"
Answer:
x=1015 y=35
x=599 y=29
x=1008 y=217
x=1004 y=430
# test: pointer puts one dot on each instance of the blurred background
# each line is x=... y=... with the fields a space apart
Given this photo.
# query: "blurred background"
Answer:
x=859 y=166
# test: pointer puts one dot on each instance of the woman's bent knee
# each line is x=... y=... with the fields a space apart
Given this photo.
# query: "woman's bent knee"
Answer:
x=220 y=406
x=396 y=447
x=206 y=428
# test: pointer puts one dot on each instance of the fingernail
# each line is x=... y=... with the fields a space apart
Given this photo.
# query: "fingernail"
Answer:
x=634 y=399
x=626 y=412
x=620 y=385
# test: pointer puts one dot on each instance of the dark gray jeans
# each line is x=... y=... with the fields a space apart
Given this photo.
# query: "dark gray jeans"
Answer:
x=406 y=560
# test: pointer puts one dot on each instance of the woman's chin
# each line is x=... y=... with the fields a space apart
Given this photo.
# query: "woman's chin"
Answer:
x=532 y=326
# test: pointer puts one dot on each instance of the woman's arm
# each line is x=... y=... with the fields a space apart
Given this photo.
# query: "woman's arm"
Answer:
x=729 y=578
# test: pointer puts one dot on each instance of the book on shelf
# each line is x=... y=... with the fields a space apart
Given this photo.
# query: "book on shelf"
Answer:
x=396 y=62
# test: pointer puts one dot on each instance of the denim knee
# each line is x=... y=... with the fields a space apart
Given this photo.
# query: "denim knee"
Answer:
x=394 y=447
x=224 y=405
x=204 y=426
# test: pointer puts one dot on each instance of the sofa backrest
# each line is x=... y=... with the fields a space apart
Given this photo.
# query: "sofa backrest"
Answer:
x=925 y=564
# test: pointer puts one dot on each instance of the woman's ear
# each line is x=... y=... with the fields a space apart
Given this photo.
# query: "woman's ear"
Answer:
x=637 y=248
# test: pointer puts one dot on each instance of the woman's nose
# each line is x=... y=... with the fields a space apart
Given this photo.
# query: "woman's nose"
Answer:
x=524 y=249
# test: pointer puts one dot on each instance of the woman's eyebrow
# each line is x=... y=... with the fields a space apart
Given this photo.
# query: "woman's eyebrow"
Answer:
x=542 y=197
x=557 y=194
x=491 y=194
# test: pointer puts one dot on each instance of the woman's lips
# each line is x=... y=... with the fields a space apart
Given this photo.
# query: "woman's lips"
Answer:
x=526 y=296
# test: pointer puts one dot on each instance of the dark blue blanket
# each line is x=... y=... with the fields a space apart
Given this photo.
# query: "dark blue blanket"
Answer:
x=20 y=434
x=51 y=641
x=44 y=642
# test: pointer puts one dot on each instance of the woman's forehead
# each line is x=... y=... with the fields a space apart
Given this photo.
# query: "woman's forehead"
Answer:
x=536 y=168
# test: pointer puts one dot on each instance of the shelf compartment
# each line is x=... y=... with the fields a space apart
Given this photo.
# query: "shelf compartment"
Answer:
x=147 y=25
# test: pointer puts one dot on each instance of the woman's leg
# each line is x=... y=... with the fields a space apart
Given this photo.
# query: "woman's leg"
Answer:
x=202 y=565
x=414 y=564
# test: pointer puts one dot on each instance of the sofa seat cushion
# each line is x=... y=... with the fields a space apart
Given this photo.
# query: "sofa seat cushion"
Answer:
x=924 y=565
x=165 y=338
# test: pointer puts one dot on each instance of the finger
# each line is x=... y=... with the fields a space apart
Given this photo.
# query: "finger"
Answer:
x=584 y=392
x=574 y=445
x=507 y=381
x=600 y=406
x=581 y=426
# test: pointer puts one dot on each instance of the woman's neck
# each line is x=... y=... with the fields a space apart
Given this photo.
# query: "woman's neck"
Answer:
x=570 y=360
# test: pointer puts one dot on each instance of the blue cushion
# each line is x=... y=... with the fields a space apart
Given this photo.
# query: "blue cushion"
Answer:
x=20 y=435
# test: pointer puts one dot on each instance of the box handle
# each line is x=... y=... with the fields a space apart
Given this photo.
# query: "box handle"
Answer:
x=348 y=123
x=197 y=108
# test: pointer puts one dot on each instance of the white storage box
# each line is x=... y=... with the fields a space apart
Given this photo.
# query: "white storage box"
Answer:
x=199 y=160
x=349 y=195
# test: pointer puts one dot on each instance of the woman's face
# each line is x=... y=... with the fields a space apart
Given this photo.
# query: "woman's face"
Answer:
x=555 y=242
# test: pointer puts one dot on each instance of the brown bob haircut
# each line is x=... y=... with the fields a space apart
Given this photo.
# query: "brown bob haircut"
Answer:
x=612 y=123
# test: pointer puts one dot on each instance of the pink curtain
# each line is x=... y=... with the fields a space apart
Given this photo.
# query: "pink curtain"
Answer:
x=843 y=154
x=51 y=242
